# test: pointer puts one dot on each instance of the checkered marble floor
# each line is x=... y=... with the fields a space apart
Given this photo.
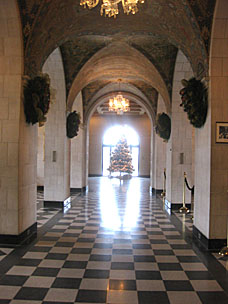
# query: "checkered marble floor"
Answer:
x=115 y=245
x=45 y=214
x=186 y=219
x=4 y=252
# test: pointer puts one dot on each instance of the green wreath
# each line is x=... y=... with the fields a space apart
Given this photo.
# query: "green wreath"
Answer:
x=163 y=126
x=194 y=101
x=73 y=122
x=36 y=98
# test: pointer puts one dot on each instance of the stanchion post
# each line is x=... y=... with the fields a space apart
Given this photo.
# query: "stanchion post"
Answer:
x=224 y=250
x=164 y=188
x=164 y=182
x=192 y=204
x=184 y=209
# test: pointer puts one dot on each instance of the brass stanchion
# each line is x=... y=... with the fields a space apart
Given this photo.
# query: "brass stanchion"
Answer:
x=164 y=189
x=224 y=250
x=184 y=209
x=164 y=182
x=192 y=205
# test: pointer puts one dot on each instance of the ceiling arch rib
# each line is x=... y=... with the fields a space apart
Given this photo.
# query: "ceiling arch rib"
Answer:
x=127 y=90
x=102 y=99
x=118 y=61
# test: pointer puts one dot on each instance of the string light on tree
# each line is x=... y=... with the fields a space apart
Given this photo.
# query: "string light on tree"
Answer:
x=121 y=160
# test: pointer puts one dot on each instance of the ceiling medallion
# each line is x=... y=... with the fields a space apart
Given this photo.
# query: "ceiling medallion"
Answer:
x=110 y=7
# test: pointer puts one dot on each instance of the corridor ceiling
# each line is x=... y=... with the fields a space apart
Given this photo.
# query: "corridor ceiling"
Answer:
x=153 y=35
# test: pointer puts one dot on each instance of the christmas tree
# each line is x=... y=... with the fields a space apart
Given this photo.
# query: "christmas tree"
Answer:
x=121 y=160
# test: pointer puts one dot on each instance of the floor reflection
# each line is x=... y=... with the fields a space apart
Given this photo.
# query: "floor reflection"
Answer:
x=120 y=212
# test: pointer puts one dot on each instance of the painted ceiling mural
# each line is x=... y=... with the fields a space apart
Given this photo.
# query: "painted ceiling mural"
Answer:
x=157 y=31
x=203 y=10
x=161 y=54
x=90 y=90
x=76 y=53
x=149 y=92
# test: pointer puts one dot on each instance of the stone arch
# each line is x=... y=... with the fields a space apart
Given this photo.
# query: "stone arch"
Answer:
x=128 y=91
x=118 y=61
x=104 y=96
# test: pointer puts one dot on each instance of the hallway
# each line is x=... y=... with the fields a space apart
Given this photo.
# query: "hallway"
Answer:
x=114 y=245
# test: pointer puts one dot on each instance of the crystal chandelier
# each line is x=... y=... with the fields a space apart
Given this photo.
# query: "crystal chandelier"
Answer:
x=110 y=7
x=119 y=104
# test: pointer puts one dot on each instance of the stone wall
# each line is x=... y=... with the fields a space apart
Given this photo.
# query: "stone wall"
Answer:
x=211 y=168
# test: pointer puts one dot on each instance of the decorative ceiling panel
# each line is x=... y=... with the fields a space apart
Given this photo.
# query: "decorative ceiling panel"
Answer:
x=90 y=90
x=149 y=92
x=203 y=11
x=160 y=53
x=77 y=52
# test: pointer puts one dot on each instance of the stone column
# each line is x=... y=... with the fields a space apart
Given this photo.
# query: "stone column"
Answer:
x=77 y=175
x=179 y=147
x=57 y=145
x=159 y=162
x=18 y=140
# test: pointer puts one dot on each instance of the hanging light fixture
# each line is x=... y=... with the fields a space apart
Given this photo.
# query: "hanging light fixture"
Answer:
x=110 y=7
x=119 y=104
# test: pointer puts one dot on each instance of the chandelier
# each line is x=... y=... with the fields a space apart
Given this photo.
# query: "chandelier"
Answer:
x=119 y=104
x=110 y=7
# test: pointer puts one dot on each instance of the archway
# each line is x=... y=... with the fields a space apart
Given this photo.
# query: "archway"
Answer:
x=111 y=138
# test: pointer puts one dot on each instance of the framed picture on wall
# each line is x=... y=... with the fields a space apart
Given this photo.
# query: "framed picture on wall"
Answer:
x=222 y=132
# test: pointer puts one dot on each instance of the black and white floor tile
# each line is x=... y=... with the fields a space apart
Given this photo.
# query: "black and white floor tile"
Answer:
x=45 y=214
x=115 y=245
x=186 y=219
x=4 y=252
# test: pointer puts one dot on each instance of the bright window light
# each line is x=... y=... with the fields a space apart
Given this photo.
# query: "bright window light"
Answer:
x=111 y=138
x=113 y=135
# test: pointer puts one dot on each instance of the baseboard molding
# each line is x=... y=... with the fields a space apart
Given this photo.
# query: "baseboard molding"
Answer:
x=26 y=236
x=79 y=190
x=156 y=191
x=57 y=204
x=144 y=176
x=175 y=206
x=95 y=175
x=209 y=244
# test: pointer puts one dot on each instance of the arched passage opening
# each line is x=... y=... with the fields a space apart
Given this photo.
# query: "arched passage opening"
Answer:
x=104 y=131
x=110 y=140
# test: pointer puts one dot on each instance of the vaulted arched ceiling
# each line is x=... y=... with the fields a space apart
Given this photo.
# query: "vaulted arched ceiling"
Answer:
x=157 y=31
x=119 y=60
